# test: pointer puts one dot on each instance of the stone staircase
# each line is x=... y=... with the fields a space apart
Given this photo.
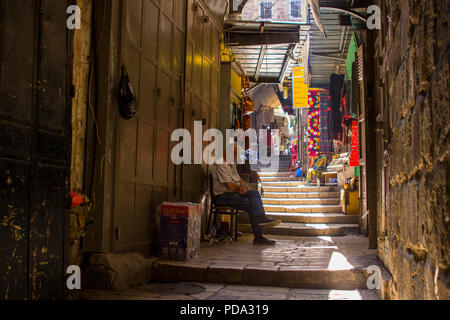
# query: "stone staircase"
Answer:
x=283 y=164
x=303 y=210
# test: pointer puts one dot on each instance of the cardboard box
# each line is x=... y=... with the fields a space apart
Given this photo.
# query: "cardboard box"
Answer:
x=180 y=230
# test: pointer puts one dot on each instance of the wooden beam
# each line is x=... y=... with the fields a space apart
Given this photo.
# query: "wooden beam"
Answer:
x=239 y=39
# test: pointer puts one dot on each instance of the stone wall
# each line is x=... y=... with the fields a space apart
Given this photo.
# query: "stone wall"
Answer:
x=415 y=246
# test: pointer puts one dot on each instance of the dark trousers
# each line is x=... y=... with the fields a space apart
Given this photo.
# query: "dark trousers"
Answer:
x=250 y=202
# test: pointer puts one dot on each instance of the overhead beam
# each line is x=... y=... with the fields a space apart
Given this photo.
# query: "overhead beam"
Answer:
x=287 y=62
x=262 y=53
x=270 y=80
x=348 y=11
x=240 y=39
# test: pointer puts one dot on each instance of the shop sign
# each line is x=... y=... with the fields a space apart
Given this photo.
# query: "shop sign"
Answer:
x=354 y=154
x=299 y=87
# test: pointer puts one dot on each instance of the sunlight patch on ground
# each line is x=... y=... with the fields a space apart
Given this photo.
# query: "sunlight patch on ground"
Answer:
x=339 y=262
x=317 y=226
x=326 y=238
x=344 y=295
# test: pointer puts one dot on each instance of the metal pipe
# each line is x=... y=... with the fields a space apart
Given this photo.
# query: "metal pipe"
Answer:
x=343 y=49
x=350 y=12
x=342 y=38
x=262 y=53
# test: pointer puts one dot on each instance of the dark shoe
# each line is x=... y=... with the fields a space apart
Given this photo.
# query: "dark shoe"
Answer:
x=266 y=222
x=264 y=241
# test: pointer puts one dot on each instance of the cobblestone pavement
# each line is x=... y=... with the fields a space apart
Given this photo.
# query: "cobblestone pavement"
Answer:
x=208 y=291
x=320 y=253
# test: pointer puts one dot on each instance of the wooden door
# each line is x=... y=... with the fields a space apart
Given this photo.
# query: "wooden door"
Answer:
x=35 y=73
x=153 y=51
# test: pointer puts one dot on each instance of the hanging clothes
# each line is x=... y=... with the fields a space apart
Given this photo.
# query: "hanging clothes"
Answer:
x=269 y=142
x=316 y=170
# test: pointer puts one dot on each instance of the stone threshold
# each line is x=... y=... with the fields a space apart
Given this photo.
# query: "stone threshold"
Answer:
x=313 y=217
x=121 y=271
x=281 y=276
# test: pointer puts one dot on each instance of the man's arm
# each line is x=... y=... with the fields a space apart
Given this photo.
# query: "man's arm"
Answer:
x=233 y=187
x=241 y=187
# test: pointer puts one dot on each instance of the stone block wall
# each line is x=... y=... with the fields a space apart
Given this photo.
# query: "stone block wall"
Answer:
x=416 y=244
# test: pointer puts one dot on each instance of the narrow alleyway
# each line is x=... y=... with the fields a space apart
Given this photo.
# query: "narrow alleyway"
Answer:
x=112 y=110
x=318 y=256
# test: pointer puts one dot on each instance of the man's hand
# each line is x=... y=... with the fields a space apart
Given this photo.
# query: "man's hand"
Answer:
x=243 y=189
x=233 y=187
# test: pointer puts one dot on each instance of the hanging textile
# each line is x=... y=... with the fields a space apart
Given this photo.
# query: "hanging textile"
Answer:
x=314 y=123
x=354 y=153
x=247 y=123
x=245 y=82
x=351 y=56
x=316 y=170
x=249 y=107
x=355 y=90
x=325 y=141
x=336 y=84
x=269 y=142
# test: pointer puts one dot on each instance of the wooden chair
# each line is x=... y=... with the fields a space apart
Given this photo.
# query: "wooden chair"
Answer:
x=215 y=211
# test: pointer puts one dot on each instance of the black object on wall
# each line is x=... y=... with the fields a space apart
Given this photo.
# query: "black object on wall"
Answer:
x=127 y=97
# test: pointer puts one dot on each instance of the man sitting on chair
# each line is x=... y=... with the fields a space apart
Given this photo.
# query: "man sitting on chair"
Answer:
x=231 y=191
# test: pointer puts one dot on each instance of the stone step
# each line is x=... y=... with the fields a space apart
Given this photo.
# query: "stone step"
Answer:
x=289 y=201
x=278 y=179
x=274 y=174
x=303 y=208
x=332 y=263
x=278 y=183
x=301 y=195
x=313 y=217
x=305 y=229
x=284 y=169
x=212 y=291
x=299 y=189
x=289 y=276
